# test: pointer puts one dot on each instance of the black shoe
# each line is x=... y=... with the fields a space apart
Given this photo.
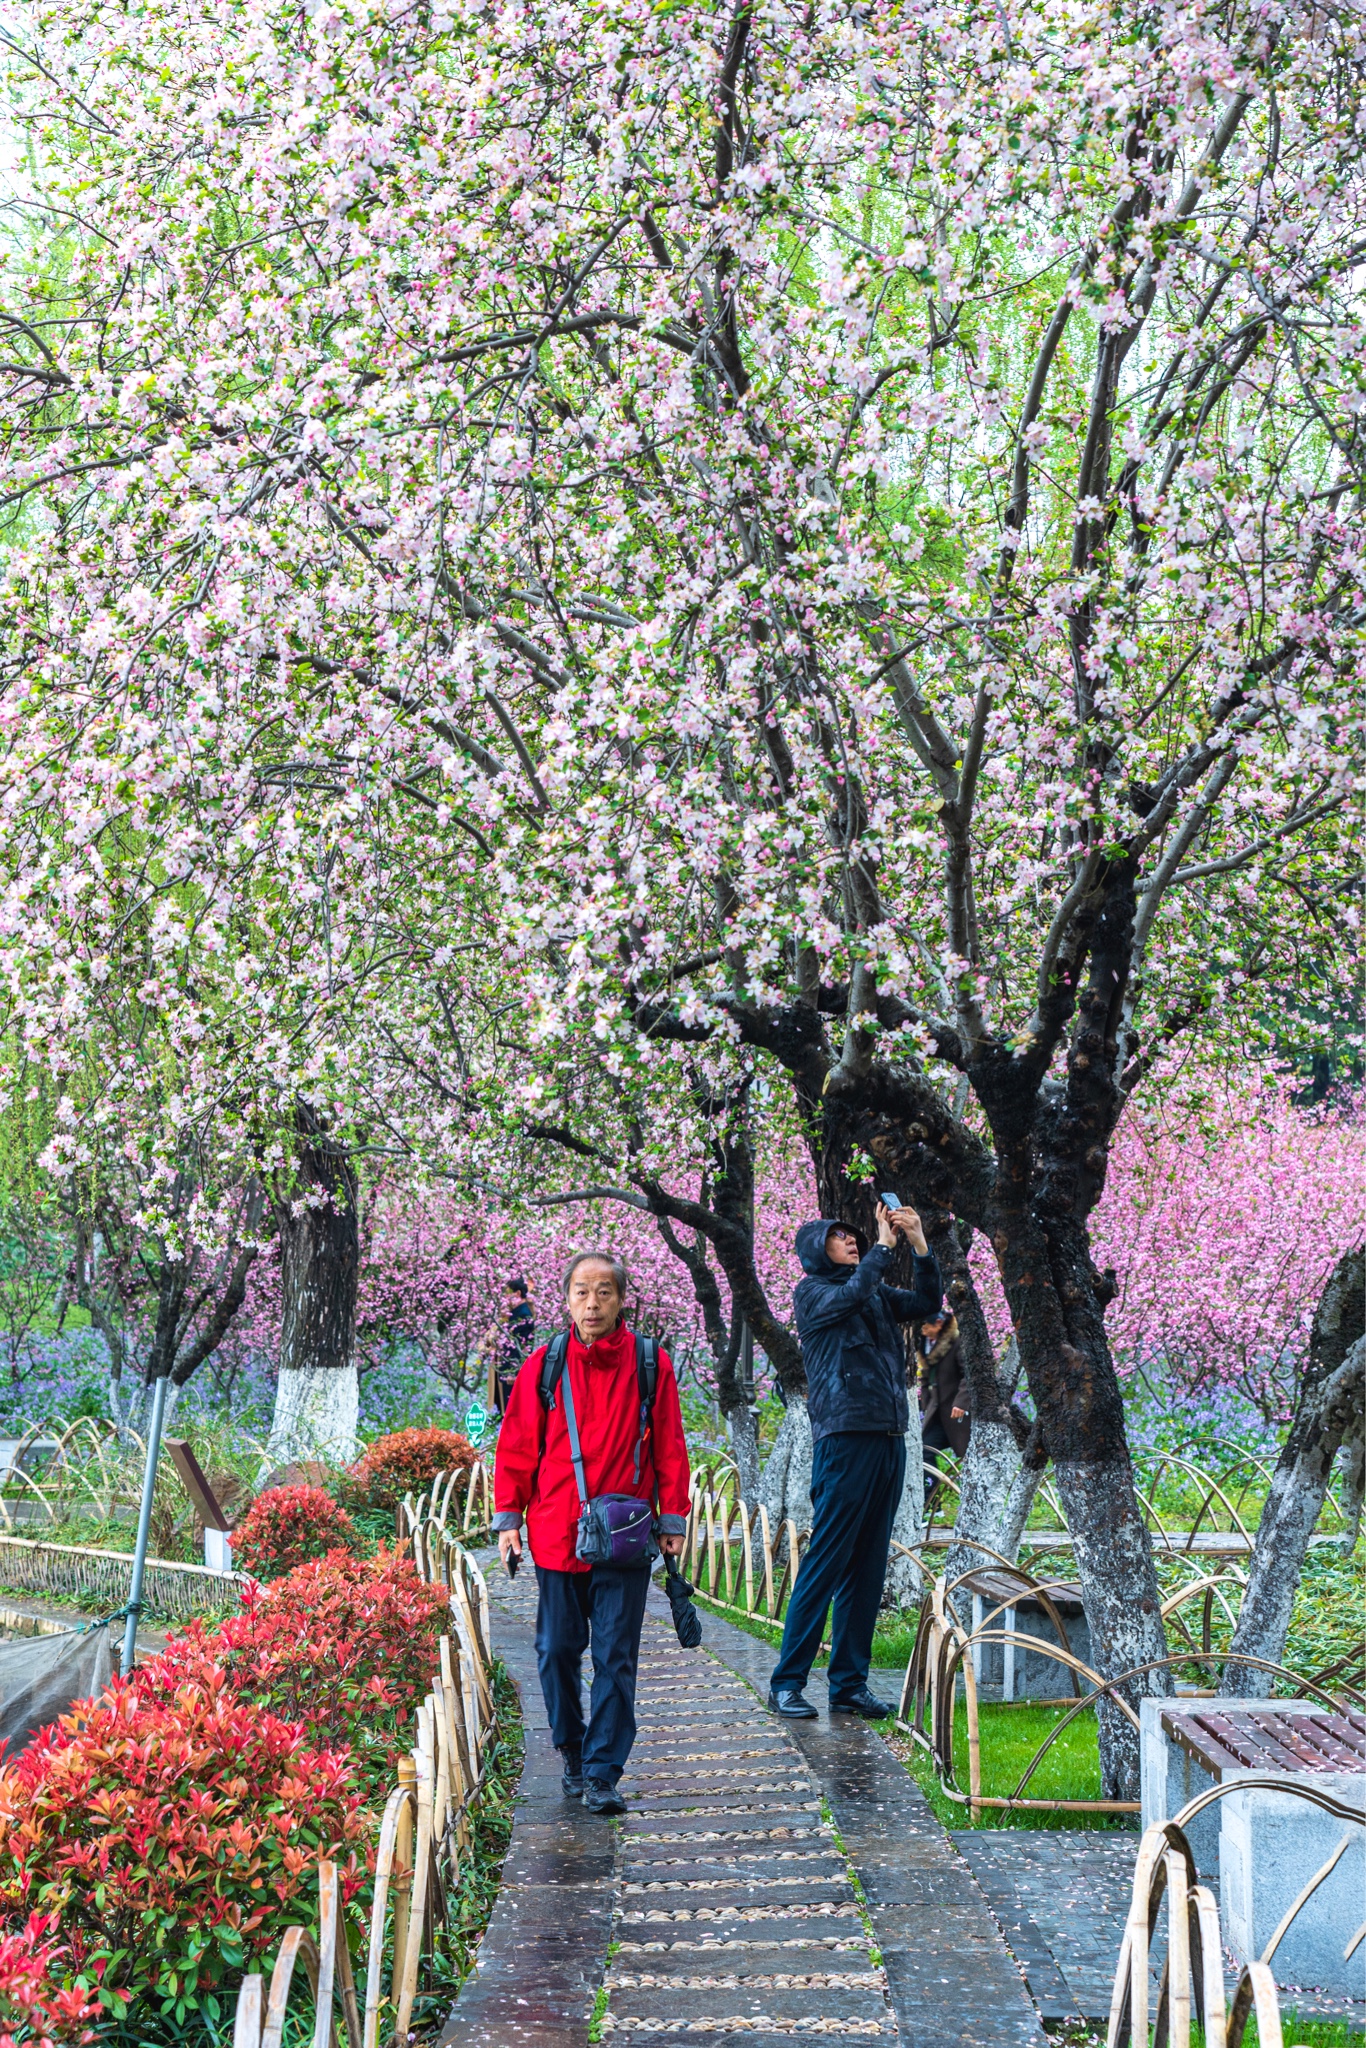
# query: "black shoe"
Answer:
x=572 y=1780
x=792 y=1704
x=865 y=1703
x=600 y=1797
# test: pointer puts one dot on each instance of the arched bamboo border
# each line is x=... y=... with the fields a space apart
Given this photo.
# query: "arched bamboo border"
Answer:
x=1192 y=1975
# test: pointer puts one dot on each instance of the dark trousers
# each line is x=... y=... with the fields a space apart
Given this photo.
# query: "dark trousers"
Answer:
x=606 y=1604
x=856 y=1482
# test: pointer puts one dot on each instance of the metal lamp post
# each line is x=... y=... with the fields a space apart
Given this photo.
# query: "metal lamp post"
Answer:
x=149 y=1487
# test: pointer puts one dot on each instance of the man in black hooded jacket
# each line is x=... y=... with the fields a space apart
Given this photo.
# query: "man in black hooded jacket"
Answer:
x=857 y=1399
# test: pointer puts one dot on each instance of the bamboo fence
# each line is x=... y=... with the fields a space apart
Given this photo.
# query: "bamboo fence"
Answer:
x=425 y=1833
x=734 y=1555
x=943 y=1660
x=100 y=1579
x=739 y=1561
x=1192 y=1980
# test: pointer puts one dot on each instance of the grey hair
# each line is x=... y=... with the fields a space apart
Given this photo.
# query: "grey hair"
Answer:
x=603 y=1259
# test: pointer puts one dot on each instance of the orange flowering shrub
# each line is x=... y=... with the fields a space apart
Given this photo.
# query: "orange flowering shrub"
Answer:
x=174 y=1835
x=32 y=2002
x=287 y=1526
x=408 y=1461
x=344 y=1647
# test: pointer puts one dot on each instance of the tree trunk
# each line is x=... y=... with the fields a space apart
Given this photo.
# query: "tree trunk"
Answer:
x=1328 y=1412
x=996 y=1489
x=318 y=1396
x=1081 y=1421
x=785 y=1488
x=743 y=1435
x=997 y=1492
x=905 y=1581
x=732 y=1353
x=1353 y=1487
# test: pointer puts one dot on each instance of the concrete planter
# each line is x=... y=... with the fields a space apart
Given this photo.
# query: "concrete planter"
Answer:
x=1264 y=1846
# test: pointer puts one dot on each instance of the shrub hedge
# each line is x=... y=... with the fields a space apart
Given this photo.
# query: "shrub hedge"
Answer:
x=33 y=2004
x=174 y=1827
x=287 y=1526
x=407 y=1462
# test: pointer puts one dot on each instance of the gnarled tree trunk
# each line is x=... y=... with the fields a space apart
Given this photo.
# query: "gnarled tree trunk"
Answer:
x=1328 y=1411
x=905 y=1582
x=1353 y=1489
x=317 y=1397
x=1032 y=1199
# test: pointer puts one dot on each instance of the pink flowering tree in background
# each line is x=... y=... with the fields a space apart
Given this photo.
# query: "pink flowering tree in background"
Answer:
x=432 y=1274
x=1225 y=1212
x=567 y=567
x=1226 y=1208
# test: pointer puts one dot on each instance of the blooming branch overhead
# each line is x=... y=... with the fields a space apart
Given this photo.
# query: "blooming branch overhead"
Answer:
x=793 y=488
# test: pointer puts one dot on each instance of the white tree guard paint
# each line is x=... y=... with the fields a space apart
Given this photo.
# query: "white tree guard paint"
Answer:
x=905 y=1582
x=993 y=1505
x=316 y=1411
x=785 y=1488
x=742 y=1434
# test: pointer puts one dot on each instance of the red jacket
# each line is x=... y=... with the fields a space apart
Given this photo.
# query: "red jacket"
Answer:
x=539 y=1482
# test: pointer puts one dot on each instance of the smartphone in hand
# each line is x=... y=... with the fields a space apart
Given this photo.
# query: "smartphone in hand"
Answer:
x=890 y=1202
x=512 y=1560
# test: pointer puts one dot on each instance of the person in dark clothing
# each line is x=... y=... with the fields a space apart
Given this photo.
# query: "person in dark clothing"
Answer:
x=945 y=1422
x=857 y=1398
x=514 y=1338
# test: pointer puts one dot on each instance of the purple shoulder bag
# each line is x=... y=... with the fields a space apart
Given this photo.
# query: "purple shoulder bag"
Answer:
x=616 y=1528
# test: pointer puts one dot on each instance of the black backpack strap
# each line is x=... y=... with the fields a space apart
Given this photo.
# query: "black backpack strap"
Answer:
x=647 y=1386
x=552 y=1368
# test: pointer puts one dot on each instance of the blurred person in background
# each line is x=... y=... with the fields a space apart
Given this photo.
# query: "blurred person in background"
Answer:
x=945 y=1423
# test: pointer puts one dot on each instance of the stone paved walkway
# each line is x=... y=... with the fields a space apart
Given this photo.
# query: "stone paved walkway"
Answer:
x=1061 y=1897
x=730 y=1893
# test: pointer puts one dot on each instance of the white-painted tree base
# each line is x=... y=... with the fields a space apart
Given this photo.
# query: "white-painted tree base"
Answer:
x=315 y=1416
x=785 y=1488
x=996 y=1493
x=905 y=1582
x=744 y=1448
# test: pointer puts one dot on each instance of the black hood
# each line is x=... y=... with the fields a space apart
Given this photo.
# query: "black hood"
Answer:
x=811 y=1249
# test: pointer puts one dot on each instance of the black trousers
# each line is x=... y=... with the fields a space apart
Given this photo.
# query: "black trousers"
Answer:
x=605 y=1605
x=856 y=1482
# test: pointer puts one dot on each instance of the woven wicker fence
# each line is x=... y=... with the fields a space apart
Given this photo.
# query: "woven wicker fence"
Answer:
x=99 y=1579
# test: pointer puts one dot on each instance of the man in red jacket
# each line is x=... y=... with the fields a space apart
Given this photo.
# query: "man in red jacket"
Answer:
x=534 y=1476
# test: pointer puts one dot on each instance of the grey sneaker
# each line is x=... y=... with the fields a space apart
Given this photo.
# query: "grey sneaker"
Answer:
x=571 y=1781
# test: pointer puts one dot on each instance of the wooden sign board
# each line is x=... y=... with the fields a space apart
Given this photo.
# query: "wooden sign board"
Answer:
x=196 y=1484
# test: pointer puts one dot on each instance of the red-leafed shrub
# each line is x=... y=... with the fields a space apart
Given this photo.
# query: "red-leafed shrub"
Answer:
x=175 y=1838
x=345 y=1647
x=33 y=2002
x=407 y=1462
x=286 y=1527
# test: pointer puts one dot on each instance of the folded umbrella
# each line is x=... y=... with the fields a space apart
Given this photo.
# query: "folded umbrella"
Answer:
x=687 y=1620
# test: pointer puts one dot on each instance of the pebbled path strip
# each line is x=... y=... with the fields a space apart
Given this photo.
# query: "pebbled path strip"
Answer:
x=952 y=1981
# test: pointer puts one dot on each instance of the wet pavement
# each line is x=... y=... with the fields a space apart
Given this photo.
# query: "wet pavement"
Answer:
x=769 y=1883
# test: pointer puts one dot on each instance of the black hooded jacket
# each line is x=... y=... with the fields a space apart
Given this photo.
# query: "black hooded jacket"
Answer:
x=853 y=1353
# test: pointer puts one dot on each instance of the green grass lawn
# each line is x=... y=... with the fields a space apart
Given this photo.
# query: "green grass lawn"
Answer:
x=1010 y=1737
